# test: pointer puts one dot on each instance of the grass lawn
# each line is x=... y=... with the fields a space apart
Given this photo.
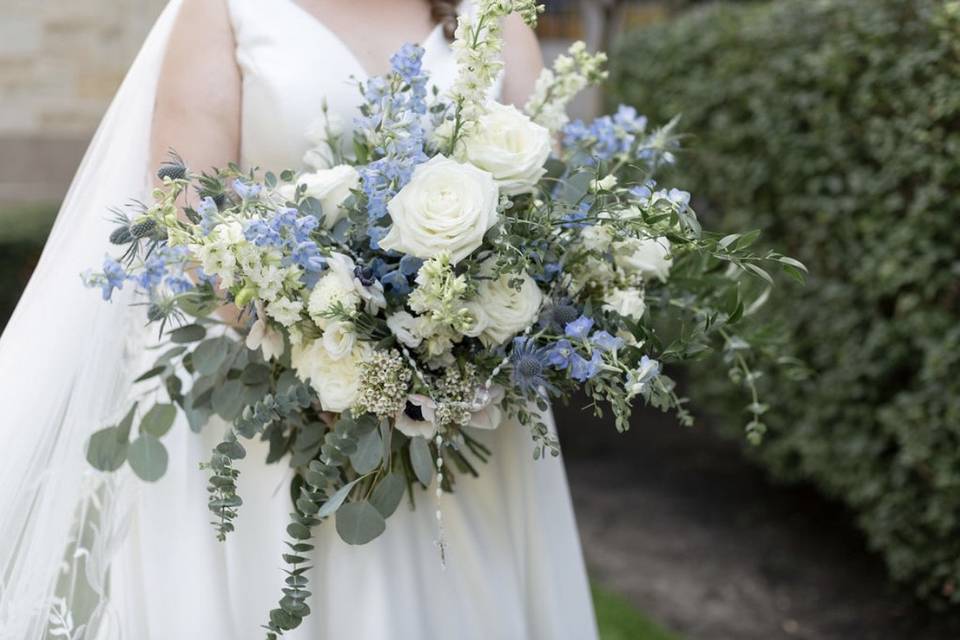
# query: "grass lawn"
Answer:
x=619 y=620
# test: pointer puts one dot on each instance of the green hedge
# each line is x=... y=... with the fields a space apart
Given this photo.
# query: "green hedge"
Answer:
x=23 y=230
x=834 y=125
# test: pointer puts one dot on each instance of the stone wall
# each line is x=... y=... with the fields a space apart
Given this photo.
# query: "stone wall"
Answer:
x=60 y=63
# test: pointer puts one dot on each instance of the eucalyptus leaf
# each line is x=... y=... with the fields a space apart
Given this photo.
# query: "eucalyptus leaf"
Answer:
x=359 y=523
x=228 y=399
x=107 y=449
x=335 y=501
x=158 y=420
x=422 y=460
x=210 y=355
x=388 y=494
x=148 y=458
x=256 y=374
x=188 y=333
x=369 y=452
x=152 y=373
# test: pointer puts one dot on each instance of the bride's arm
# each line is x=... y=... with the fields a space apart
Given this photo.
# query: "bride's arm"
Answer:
x=198 y=99
x=522 y=59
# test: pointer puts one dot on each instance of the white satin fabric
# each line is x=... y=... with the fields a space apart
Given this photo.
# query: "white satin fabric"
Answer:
x=514 y=567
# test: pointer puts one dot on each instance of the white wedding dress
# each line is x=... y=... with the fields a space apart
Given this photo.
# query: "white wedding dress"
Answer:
x=514 y=567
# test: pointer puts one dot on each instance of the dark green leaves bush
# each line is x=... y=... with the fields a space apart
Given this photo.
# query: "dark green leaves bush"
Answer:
x=835 y=126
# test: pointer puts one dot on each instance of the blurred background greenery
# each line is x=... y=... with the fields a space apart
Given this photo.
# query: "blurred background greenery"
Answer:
x=833 y=126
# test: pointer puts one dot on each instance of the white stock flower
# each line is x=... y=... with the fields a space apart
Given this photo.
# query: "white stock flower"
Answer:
x=646 y=257
x=336 y=380
x=217 y=252
x=596 y=238
x=446 y=206
x=510 y=146
x=629 y=303
x=264 y=337
x=339 y=339
x=501 y=311
x=331 y=187
x=285 y=311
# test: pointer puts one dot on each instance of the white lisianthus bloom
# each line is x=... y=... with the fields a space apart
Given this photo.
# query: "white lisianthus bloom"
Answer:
x=264 y=337
x=285 y=311
x=596 y=238
x=510 y=146
x=446 y=206
x=629 y=303
x=331 y=187
x=339 y=339
x=647 y=257
x=405 y=327
x=502 y=311
x=336 y=380
x=336 y=285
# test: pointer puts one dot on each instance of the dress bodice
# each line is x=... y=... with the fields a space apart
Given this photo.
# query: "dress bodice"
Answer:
x=292 y=64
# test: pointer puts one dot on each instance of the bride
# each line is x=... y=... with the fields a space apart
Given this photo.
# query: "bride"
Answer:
x=83 y=555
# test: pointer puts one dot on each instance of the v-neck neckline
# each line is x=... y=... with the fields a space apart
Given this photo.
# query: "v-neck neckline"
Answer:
x=357 y=62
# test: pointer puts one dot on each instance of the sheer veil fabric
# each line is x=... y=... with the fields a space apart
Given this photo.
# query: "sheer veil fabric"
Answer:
x=137 y=561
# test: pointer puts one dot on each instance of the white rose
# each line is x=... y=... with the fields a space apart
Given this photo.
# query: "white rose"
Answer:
x=446 y=206
x=510 y=146
x=331 y=187
x=336 y=380
x=339 y=339
x=335 y=285
x=501 y=310
x=404 y=327
x=647 y=257
x=628 y=303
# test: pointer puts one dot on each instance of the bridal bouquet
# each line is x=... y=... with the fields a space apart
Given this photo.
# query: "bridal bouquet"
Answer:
x=454 y=264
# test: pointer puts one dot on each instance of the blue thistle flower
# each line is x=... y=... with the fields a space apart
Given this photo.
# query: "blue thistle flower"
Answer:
x=530 y=366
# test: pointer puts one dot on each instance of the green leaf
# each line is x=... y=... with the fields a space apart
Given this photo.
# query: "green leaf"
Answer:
x=335 y=501
x=107 y=449
x=359 y=523
x=369 y=453
x=758 y=271
x=148 y=458
x=152 y=373
x=422 y=460
x=188 y=333
x=256 y=374
x=386 y=497
x=158 y=420
x=228 y=399
x=210 y=355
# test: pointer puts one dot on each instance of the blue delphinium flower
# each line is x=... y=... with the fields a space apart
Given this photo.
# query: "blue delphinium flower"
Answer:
x=112 y=279
x=643 y=191
x=579 y=329
x=559 y=355
x=395 y=282
x=246 y=191
x=307 y=255
x=262 y=233
x=605 y=137
x=391 y=124
x=154 y=269
x=207 y=209
x=529 y=366
x=410 y=265
x=605 y=341
x=582 y=369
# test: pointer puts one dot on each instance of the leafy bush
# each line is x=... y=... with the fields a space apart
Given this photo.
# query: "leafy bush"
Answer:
x=834 y=125
x=23 y=231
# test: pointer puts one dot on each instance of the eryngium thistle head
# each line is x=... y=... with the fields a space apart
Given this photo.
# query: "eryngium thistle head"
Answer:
x=562 y=314
x=143 y=228
x=172 y=170
x=121 y=235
